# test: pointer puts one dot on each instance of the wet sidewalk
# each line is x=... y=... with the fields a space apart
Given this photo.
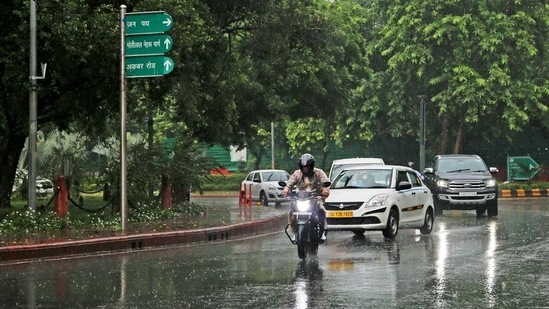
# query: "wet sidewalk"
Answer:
x=224 y=220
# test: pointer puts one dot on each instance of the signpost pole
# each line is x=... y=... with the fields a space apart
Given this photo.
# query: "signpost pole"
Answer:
x=123 y=193
x=142 y=48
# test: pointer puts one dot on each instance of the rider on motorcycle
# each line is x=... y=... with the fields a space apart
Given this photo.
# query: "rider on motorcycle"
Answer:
x=308 y=178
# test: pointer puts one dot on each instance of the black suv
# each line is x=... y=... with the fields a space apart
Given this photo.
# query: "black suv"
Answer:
x=462 y=181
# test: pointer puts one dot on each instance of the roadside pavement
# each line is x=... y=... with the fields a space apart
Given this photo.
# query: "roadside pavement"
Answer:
x=224 y=220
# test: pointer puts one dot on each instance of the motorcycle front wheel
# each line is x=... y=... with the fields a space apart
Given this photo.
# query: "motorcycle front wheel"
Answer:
x=313 y=248
x=301 y=239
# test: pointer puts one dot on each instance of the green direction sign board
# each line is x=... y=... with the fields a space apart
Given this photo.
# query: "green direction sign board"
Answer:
x=149 y=66
x=521 y=168
x=148 y=22
x=142 y=45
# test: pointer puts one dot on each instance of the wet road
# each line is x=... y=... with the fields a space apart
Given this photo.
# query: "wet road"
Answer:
x=467 y=262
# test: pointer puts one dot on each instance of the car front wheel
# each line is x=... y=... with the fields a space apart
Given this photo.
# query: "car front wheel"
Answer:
x=428 y=222
x=263 y=199
x=391 y=230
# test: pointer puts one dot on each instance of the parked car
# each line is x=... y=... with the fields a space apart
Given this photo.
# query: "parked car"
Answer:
x=340 y=164
x=264 y=186
x=379 y=197
x=44 y=188
x=462 y=181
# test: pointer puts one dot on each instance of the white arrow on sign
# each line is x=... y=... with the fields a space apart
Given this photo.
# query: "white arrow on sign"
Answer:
x=167 y=65
x=167 y=43
x=167 y=22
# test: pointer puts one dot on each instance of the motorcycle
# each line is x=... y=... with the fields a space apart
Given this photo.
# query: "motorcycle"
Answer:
x=305 y=208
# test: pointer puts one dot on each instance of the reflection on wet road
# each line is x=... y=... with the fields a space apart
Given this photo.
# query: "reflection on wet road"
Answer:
x=467 y=262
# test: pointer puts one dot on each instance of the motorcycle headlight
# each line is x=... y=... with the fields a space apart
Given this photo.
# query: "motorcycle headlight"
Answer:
x=442 y=183
x=302 y=205
x=490 y=183
x=377 y=200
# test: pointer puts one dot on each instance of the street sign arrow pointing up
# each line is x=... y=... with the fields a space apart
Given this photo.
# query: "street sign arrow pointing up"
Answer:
x=167 y=65
x=150 y=44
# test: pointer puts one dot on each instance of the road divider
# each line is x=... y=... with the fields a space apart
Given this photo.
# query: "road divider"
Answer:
x=508 y=193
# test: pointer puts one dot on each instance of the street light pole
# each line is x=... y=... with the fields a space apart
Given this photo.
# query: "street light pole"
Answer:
x=272 y=146
x=33 y=127
x=422 y=133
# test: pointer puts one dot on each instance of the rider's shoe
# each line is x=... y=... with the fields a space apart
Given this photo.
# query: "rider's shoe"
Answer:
x=323 y=238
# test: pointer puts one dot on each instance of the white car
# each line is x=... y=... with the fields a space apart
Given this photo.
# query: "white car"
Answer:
x=341 y=164
x=379 y=197
x=264 y=186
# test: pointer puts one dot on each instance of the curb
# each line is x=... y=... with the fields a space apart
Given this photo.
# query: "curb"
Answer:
x=524 y=193
x=130 y=243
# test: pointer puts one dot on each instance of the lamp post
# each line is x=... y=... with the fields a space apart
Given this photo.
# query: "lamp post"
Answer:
x=272 y=146
x=33 y=126
x=422 y=133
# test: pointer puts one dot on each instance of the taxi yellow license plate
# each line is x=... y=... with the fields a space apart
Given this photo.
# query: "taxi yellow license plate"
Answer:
x=340 y=214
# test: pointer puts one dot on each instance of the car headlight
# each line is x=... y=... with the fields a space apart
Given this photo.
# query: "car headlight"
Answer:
x=302 y=206
x=443 y=183
x=271 y=187
x=377 y=200
x=490 y=183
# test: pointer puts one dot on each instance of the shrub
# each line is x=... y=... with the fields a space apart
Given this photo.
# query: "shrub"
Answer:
x=224 y=182
x=526 y=185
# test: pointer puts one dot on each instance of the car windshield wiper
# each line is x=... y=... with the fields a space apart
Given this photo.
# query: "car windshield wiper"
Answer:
x=479 y=171
x=460 y=170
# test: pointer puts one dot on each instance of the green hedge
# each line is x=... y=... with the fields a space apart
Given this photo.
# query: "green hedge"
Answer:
x=224 y=183
x=524 y=185
x=232 y=183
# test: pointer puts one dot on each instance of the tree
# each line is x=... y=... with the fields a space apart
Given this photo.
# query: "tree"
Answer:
x=483 y=66
x=79 y=34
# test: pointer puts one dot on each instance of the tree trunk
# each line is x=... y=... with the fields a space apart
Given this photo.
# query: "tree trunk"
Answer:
x=258 y=154
x=444 y=135
x=11 y=145
x=459 y=137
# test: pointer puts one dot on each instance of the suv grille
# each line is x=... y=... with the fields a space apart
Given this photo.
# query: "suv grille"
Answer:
x=467 y=184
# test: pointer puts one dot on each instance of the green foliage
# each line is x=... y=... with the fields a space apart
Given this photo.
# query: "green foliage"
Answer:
x=230 y=183
x=359 y=66
x=26 y=221
x=479 y=65
x=526 y=185
x=21 y=222
x=186 y=209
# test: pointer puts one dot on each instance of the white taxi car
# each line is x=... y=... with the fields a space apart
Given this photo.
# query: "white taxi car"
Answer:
x=263 y=186
x=379 y=197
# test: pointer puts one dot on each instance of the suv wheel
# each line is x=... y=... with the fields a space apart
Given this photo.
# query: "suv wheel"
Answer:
x=493 y=209
x=481 y=211
x=438 y=209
